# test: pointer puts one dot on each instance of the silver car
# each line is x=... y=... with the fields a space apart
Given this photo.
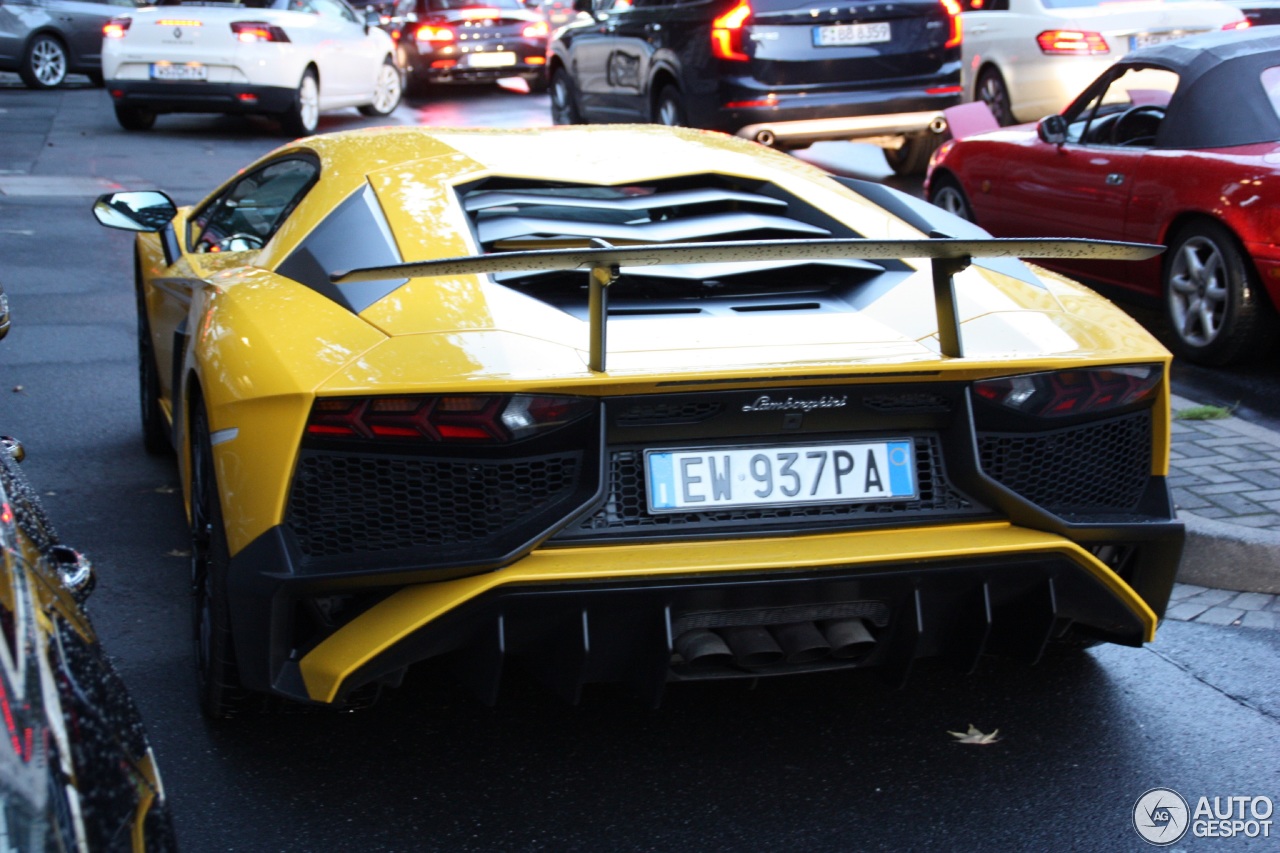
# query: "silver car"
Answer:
x=45 y=40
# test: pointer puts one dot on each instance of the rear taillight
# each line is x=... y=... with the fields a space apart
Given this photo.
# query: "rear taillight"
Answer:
x=257 y=31
x=116 y=28
x=956 y=33
x=1072 y=43
x=728 y=33
x=433 y=34
x=1242 y=24
x=536 y=30
x=1069 y=393
x=485 y=418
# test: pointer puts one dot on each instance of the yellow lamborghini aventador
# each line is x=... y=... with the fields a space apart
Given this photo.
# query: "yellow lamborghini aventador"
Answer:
x=632 y=404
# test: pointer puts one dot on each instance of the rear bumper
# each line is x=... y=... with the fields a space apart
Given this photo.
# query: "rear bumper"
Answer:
x=621 y=613
x=799 y=118
x=165 y=97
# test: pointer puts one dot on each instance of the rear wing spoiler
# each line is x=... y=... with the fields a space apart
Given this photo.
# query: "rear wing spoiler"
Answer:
x=604 y=263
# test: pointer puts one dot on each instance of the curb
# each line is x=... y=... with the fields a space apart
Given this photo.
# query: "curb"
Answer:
x=1228 y=556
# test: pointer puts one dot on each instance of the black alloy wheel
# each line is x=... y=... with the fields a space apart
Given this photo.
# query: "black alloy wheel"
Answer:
x=564 y=100
x=218 y=681
x=669 y=109
x=912 y=158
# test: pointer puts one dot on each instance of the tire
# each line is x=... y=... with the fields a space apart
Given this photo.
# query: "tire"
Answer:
x=564 y=100
x=387 y=92
x=1214 y=302
x=913 y=157
x=219 y=690
x=303 y=117
x=155 y=429
x=947 y=194
x=135 y=118
x=992 y=90
x=44 y=62
x=668 y=109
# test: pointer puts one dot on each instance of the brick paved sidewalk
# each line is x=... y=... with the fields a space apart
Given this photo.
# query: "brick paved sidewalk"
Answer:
x=1225 y=479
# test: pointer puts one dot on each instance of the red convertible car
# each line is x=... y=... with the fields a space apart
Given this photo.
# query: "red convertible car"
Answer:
x=1177 y=144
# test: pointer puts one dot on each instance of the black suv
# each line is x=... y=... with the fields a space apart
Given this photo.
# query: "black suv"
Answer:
x=786 y=73
x=470 y=41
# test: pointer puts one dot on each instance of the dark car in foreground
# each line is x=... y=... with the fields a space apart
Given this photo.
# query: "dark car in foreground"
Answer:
x=76 y=770
x=45 y=40
x=474 y=41
x=1177 y=144
x=784 y=73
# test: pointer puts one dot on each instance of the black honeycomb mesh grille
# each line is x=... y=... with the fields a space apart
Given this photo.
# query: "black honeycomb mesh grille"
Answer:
x=344 y=504
x=1100 y=467
x=625 y=512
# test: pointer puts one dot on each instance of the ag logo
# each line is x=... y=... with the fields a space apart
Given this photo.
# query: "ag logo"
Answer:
x=1161 y=816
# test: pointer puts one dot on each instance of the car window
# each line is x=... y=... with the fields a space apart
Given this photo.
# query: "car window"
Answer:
x=1271 y=83
x=1102 y=119
x=254 y=207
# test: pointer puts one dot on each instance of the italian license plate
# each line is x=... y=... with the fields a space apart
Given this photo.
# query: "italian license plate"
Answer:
x=1148 y=39
x=716 y=478
x=839 y=35
x=497 y=59
x=179 y=72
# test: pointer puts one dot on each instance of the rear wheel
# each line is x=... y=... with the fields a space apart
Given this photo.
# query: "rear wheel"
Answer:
x=564 y=100
x=135 y=118
x=387 y=91
x=991 y=89
x=947 y=194
x=1212 y=296
x=218 y=680
x=44 y=62
x=912 y=158
x=669 y=109
x=303 y=117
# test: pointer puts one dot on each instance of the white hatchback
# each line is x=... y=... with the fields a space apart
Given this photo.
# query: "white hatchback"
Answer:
x=291 y=59
x=1030 y=58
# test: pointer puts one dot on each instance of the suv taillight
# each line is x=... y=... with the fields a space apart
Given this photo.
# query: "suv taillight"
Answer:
x=1072 y=392
x=484 y=418
x=956 y=33
x=258 y=31
x=727 y=32
x=116 y=28
x=1072 y=43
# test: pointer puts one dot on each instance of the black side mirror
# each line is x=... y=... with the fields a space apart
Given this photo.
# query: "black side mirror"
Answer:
x=149 y=210
x=1052 y=129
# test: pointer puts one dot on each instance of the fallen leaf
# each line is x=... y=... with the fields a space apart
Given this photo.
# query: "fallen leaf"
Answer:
x=18 y=389
x=177 y=552
x=975 y=736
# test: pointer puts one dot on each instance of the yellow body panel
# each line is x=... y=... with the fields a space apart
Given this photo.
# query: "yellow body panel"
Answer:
x=413 y=607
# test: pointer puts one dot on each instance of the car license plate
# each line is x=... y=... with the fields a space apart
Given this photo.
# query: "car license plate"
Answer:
x=850 y=34
x=161 y=71
x=1148 y=39
x=497 y=59
x=711 y=478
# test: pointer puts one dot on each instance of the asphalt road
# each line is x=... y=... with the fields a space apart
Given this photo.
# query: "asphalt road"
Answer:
x=822 y=764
